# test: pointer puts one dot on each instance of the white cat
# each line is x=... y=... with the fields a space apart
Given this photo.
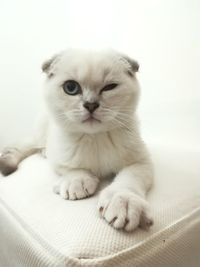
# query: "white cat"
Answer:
x=91 y=132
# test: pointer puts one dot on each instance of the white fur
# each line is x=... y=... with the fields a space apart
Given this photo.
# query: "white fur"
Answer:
x=83 y=153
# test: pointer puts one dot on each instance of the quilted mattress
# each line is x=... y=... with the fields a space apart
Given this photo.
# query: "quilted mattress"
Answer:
x=39 y=229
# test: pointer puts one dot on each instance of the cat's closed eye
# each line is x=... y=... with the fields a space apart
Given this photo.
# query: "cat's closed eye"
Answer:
x=109 y=87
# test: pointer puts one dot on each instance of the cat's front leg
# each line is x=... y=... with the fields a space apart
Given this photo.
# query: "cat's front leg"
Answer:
x=76 y=184
x=122 y=204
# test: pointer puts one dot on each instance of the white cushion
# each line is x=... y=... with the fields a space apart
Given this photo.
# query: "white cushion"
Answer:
x=38 y=228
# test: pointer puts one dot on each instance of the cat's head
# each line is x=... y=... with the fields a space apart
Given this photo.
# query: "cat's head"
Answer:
x=91 y=91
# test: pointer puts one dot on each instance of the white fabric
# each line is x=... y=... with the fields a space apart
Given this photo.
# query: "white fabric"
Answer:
x=38 y=228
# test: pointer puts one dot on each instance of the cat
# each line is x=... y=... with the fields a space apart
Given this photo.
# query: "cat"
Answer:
x=91 y=133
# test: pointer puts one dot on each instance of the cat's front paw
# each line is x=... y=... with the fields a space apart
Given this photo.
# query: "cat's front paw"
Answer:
x=124 y=210
x=77 y=185
x=9 y=159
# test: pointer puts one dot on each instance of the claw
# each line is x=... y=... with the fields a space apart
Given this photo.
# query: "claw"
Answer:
x=145 y=222
x=113 y=220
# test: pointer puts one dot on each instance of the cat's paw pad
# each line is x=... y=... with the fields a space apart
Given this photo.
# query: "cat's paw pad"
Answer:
x=74 y=188
x=9 y=159
x=124 y=210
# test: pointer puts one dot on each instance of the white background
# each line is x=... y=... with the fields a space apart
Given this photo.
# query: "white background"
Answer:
x=164 y=36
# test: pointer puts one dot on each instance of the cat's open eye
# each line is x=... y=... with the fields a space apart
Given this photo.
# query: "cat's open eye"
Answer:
x=71 y=87
x=109 y=87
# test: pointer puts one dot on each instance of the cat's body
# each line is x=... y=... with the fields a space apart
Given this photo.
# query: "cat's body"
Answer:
x=103 y=153
x=91 y=133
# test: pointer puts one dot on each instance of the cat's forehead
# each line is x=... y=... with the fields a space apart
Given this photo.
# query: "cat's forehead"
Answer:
x=91 y=67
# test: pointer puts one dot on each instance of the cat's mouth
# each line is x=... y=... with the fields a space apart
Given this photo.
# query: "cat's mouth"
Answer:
x=91 y=119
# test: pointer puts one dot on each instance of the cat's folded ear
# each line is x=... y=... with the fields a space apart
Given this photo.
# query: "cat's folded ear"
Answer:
x=48 y=64
x=133 y=63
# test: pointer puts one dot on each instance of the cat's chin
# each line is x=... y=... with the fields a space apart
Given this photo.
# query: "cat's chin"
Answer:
x=92 y=126
x=91 y=121
x=89 y=126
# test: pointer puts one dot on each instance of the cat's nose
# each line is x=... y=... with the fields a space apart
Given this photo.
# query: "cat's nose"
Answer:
x=91 y=106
